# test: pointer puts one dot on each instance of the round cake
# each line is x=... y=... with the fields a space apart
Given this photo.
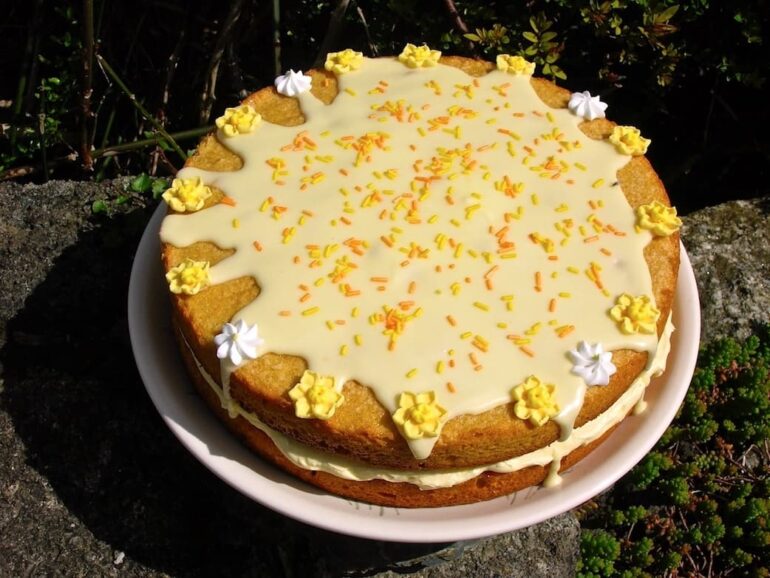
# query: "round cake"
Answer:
x=422 y=280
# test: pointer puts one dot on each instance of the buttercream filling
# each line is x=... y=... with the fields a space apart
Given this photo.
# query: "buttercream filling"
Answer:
x=308 y=458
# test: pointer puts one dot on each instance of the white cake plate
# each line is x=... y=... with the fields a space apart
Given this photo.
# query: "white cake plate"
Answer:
x=196 y=427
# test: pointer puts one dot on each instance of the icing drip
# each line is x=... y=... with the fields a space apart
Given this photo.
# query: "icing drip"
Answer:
x=550 y=457
x=429 y=231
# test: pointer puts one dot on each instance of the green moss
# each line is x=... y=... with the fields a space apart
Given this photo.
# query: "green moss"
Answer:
x=706 y=485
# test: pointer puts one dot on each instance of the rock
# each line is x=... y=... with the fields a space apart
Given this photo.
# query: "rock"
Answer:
x=92 y=482
x=729 y=246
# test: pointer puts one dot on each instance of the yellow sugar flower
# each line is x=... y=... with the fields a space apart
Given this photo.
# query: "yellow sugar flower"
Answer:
x=534 y=401
x=635 y=314
x=189 y=277
x=187 y=195
x=239 y=120
x=658 y=218
x=419 y=415
x=514 y=64
x=315 y=396
x=629 y=141
x=345 y=61
x=419 y=56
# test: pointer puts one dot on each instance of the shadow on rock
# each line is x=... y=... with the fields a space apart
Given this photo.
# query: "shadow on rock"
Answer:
x=79 y=406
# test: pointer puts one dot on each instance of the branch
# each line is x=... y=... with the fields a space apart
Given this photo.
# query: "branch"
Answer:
x=105 y=152
x=332 y=32
x=372 y=46
x=277 y=37
x=209 y=88
x=87 y=85
x=455 y=15
x=143 y=111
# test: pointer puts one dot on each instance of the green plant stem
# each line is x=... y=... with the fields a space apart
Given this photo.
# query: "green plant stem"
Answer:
x=104 y=152
x=143 y=111
x=139 y=144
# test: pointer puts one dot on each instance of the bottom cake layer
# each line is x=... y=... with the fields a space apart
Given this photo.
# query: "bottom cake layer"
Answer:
x=400 y=488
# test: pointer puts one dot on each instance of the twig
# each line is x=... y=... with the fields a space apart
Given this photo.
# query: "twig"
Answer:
x=105 y=152
x=87 y=85
x=332 y=32
x=209 y=87
x=143 y=111
x=277 y=64
x=457 y=21
x=372 y=46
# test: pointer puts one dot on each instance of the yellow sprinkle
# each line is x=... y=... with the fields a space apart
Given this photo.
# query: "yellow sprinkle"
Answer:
x=311 y=311
x=320 y=281
x=535 y=200
x=440 y=367
x=549 y=116
x=350 y=91
x=597 y=183
x=236 y=223
x=580 y=166
x=480 y=305
x=354 y=312
x=573 y=270
x=565 y=295
x=411 y=373
x=344 y=350
x=502 y=325
x=466 y=335
x=357 y=339
x=329 y=324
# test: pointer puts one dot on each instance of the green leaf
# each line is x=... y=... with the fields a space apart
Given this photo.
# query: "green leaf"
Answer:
x=530 y=36
x=122 y=200
x=548 y=36
x=98 y=207
x=159 y=187
x=472 y=37
x=141 y=184
x=667 y=14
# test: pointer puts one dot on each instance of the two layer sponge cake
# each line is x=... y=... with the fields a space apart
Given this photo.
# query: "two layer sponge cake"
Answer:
x=421 y=281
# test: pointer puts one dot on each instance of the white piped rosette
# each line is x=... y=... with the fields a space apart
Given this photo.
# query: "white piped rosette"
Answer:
x=238 y=341
x=293 y=83
x=587 y=106
x=592 y=363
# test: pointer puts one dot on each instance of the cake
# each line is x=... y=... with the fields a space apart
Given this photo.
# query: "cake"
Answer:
x=421 y=281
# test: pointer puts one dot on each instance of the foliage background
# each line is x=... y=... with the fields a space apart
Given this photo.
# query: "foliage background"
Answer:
x=690 y=73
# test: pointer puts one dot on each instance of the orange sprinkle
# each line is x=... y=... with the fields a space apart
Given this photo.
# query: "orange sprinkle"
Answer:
x=489 y=273
x=412 y=287
x=591 y=239
x=378 y=279
x=450 y=387
x=228 y=201
x=552 y=305
x=345 y=220
x=451 y=320
x=488 y=284
x=304 y=298
x=605 y=251
x=257 y=245
x=296 y=259
x=386 y=240
x=344 y=172
x=340 y=322
x=538 y=282
x=553 y=258
x=284 y=313
x=526 y=351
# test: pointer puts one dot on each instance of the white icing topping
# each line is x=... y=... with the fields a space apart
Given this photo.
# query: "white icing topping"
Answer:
x=488 y=219
x=592 y=363
x=238 y=341
x=310 y=459
x=587 y=106
x=293 y=83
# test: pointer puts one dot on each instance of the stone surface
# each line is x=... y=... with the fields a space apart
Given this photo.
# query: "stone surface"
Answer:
x=729 y=246
x=92 y=482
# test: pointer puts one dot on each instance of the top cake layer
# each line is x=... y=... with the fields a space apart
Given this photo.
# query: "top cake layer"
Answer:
x=437 y=237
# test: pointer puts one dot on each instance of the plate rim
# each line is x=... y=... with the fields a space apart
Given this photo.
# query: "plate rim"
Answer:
x=212 y=444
